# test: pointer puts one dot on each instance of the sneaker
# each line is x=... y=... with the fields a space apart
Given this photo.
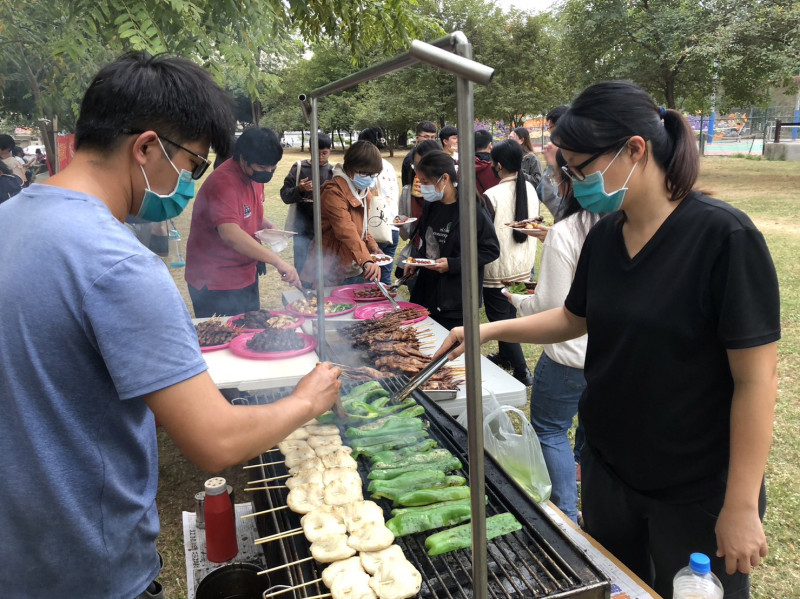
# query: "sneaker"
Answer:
x=524 y=376
x=500 y=361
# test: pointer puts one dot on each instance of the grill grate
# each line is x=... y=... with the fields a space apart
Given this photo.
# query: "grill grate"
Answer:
x=538 y=561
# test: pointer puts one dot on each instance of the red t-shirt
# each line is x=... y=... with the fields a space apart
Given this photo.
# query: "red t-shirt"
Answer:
x=227 y=196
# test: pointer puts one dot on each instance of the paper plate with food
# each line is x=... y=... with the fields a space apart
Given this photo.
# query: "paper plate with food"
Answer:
x=363 y=292
x=419 y=261
x=334 y=306
x=416 y=313
x=401 y=219
x=214 y=334
x=528 y=224
x=381 y=259
x=273 y=344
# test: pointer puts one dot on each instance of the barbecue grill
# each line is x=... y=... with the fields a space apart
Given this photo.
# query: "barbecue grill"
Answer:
x=538 y=561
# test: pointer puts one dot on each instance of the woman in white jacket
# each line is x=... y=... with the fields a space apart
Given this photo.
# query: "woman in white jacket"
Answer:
x=513 y=199
x=558 y=381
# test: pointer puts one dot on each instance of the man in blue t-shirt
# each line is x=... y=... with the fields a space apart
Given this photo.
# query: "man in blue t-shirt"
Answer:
x=96 y=341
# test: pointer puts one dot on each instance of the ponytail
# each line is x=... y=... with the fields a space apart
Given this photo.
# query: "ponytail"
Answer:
x=508 y=154
x=682 y=163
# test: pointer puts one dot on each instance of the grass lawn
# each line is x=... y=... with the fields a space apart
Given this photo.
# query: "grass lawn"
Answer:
x=767 y=192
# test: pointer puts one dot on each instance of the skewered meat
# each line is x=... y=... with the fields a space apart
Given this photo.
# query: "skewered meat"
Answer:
x=275 y=340
x=214 y=332
x=343 y=491
x=362 y=373
x=304 y=498
x=332 y=549
x=323 y=429
x=255 y=319
x=339 y=459
x=360 y=513
x=300 y=433
x=352 y=585
x=347 y=475
x=324 y=450
x=409 y=364
x=291 y=445
x=528 y=223
x=309 y=464
x=367 y=293
x=298 y=456
x=304 y=478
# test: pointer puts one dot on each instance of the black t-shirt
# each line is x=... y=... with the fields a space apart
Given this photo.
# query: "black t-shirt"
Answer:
x=438 y=227
x=659 y=387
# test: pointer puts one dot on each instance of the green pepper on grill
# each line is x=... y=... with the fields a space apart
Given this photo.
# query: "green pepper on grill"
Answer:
x=411 y=481
x=418 y=458
x=422 y=509
x=436 y=516
x=428 y=496
x=394 y=425
x=391 y=455
x=369 y=446
x=447 y=464
x=460 y=537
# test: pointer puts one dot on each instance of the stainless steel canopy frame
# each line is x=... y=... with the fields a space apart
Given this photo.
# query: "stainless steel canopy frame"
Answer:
x=453 y=54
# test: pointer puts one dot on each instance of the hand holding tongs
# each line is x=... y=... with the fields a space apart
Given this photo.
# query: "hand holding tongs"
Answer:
x=388 y=295
x=423 y=375
x=307 y=293
x=402 y=280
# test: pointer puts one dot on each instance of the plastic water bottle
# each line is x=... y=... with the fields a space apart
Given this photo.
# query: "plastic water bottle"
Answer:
x=221 y=544
x=697 y=581
x=175 y=257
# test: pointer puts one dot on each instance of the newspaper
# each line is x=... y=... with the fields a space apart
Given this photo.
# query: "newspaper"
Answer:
x=194 y=544
x=622 y=585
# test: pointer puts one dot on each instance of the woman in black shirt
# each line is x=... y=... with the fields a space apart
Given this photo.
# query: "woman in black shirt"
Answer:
x=679 y=296
x=438 y=287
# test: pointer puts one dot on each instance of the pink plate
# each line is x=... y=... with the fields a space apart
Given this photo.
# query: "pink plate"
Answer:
x=348 y=292
x=335 y=300
x=208 y=348
x=239 y=347
x=378 y=310
x=300 y=320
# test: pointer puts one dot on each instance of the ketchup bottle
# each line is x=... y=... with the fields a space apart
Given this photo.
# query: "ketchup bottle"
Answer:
x=220 y=522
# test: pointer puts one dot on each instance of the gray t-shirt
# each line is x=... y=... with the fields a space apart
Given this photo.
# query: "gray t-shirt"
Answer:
x=91 y=322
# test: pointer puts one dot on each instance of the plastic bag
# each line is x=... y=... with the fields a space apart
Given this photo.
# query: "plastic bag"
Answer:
x=520 y=455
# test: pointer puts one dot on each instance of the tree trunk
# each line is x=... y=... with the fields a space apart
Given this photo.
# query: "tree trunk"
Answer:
x=669 y=92
x=302 y=139
x=341 y=139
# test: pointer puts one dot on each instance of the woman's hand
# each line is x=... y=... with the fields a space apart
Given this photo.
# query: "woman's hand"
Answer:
x=441 y=266
x=740 y=539
x=409 y=269
x=456 y=336
x=549 y=152
x=372 y=272
x=539 y=232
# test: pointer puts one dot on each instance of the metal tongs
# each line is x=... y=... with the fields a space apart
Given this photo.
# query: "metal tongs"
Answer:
x=388 y=295
x=307 y=293
x=422 y=376
x=402 y=280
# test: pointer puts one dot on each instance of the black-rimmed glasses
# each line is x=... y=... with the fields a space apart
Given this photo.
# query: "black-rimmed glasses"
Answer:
x=198 y=170
x=576 y=172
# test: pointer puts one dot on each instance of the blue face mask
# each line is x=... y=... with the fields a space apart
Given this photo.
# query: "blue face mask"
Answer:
x=591 y=192
x=429 y=193
x=363 y=181
x=158 y=208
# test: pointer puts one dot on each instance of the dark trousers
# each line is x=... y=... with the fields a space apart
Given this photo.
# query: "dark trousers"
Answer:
x=446 y=322
x=225 y=302
x=301 y=247
x=654 y=538
x=389 y=248
x=499 y=308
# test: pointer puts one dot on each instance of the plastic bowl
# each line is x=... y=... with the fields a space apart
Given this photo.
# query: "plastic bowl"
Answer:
x=233 y=581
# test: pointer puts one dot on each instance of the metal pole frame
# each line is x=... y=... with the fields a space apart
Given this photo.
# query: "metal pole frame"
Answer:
x=452 y=53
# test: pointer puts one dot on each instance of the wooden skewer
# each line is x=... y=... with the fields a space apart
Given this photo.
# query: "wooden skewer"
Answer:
x=267 y=480
x=267 y=464
x=254 y=514
x=280 y=535
x=319 y=596
x=250 y=489
x=297 y=586
x=300 y=561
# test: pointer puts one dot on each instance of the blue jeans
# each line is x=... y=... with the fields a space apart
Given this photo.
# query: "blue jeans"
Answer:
x=389 y=248
x=554 y=403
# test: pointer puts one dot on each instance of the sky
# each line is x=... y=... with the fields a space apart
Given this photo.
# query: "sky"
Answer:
x=531 y=5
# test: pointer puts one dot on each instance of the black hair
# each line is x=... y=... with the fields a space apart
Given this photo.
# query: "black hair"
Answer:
x=429 y=145
x=435 y=164
x=172 y=96
x=525 y=137
x=447 y=132
x=375 y=136
x=6 y=142
x=17 y=151
x=607 y=114
x=258 y=145
x=556 y=113
x=362 y=157
x=324 y=142
x=569 y=203
x=482 y=139
x=426 y=126
x=508 y=154
x=37 y=151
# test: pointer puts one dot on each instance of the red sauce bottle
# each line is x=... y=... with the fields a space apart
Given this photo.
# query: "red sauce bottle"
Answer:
x=221 y=543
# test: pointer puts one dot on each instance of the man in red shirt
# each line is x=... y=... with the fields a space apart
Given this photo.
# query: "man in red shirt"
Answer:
x=222 y=252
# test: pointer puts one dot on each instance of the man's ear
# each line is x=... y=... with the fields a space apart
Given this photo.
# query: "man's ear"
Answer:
x=143 y=147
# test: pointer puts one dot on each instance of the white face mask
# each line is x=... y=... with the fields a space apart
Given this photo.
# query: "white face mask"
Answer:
x=429 y=193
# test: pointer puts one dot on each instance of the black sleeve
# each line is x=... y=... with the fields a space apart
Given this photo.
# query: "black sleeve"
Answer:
x=290 y=193
x=406 y=172
x=744 y=291
x=488 y=244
